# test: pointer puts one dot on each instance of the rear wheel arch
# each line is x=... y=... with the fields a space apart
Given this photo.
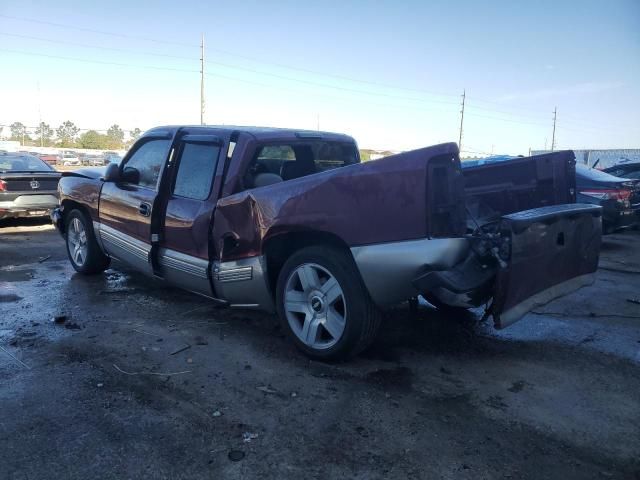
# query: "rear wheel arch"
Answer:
x=278 y=248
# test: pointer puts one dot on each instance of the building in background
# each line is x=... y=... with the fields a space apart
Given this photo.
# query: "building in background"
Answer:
x=602 y=158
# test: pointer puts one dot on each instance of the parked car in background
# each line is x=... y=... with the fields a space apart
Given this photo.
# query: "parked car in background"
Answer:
x=618 y=197
x=94 y=160
x=112 y=158
x=292 y=222
x=625 y=170
x=50 y=158
x=70 y=160
x=28 y=186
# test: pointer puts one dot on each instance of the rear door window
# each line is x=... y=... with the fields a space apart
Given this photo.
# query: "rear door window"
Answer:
x=329 y=155
x=196 y=169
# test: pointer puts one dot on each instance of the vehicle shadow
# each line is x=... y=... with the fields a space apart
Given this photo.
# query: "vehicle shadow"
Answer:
x=426 y=330
x=24 y=222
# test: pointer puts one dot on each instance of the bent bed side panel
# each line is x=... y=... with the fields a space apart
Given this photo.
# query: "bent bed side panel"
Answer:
x=554 y=251
x=382 y=201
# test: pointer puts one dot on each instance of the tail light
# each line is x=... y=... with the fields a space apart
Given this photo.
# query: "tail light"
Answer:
x=3 y=186
x=620 y=195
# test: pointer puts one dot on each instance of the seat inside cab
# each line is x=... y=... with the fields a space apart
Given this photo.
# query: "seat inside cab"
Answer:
x=280 y=163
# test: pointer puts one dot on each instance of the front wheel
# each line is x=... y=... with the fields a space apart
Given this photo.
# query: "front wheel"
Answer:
x=324 y=305
x=82 y=247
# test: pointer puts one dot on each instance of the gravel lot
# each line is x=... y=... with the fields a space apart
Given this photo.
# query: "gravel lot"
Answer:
x=146 y=381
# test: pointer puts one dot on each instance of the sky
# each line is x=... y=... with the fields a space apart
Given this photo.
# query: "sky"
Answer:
x=389 y=73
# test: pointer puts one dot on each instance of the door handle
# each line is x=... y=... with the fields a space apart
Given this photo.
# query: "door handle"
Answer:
x=144 y=209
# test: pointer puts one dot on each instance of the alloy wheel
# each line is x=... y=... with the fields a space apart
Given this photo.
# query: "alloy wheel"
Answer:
x=315 y=306
x=77 y=242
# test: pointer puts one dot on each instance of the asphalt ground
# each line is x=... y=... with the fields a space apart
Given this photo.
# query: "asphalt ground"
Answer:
x=141 y=380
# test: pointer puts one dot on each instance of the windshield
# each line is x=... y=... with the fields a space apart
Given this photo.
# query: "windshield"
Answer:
x=22 y=163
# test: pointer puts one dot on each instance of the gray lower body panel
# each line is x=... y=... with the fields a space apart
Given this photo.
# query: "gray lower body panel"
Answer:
x=124 y=247
x=185 y=271
x=388 y=269
x=244 y=283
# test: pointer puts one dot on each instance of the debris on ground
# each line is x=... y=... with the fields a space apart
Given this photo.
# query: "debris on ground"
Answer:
x=59 y=319
x=217 y=413
x=236 y=455
x=44 y=259
x=161 y=374
x=248 y=436
x=634 y=300
x=265 y=389
x=294 y=394
x=100 y=385
x=16 y=358
x=181 y=349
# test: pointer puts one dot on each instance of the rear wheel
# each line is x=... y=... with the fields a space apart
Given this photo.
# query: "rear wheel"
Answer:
x=324 y=305
x=82 y=247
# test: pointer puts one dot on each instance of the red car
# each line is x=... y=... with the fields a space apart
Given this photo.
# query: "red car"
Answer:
x=51 y=159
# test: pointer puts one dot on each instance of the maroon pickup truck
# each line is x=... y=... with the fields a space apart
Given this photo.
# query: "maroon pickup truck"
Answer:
x=291 y=222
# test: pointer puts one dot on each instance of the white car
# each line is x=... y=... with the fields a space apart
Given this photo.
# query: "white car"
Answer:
x=70 y=160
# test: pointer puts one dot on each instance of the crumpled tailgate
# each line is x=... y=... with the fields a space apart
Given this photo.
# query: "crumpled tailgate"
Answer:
x=553 y=251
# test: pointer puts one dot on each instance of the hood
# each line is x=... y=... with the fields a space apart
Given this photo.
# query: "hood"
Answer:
x=93 y=172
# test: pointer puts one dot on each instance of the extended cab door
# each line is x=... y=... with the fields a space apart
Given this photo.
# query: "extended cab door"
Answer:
x=191 y=196
x=126 y=206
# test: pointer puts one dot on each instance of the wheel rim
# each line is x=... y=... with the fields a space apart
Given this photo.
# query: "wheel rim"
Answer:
x=315 y=306
x=77 y=242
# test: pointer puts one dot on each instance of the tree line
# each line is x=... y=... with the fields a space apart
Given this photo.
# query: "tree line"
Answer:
x=68 y=135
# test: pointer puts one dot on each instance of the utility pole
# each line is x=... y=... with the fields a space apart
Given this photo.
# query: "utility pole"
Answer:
x=553 y=136
x=318 y=122
x=461 y=120
x=202 y=81
x=40 y=117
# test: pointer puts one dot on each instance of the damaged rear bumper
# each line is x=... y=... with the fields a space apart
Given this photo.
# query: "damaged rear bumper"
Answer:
x=530 y=258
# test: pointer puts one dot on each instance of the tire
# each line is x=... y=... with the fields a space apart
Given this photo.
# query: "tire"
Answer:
x=83 y=250
x=332 y=317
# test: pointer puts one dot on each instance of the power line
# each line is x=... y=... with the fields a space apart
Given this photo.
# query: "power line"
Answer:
x=226 y=52
x=100 y=32
x=284 y=77
x=100 y=62
x=98 y=47
x=306 y=82
x=253 y=59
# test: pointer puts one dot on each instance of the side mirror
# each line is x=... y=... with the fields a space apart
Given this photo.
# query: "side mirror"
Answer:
x=112 y=174
x=130 y=175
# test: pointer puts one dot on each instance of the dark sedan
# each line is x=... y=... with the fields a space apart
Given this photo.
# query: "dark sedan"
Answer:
x=28 y=186
x=625 y=170
x=617 y=196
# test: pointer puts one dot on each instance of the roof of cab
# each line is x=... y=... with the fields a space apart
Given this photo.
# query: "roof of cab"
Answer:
x=261 y=133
